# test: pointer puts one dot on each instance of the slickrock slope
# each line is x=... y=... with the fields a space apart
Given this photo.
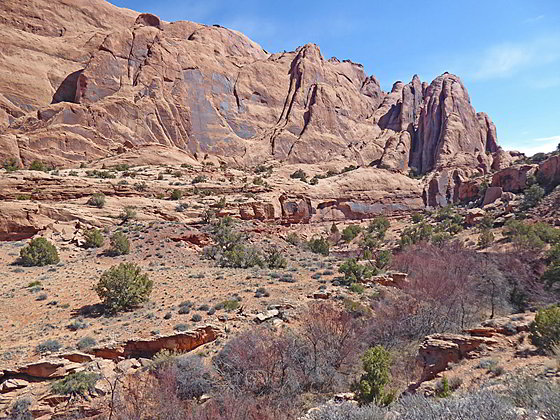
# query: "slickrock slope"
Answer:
x=82 y=80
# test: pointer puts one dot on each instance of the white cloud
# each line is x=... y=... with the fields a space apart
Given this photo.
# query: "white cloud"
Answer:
x=254 y=28
x=509 y=58
x=534 y=19
x=538 y=145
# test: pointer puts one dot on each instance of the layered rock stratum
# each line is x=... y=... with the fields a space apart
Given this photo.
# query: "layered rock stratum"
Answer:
x=82 y=80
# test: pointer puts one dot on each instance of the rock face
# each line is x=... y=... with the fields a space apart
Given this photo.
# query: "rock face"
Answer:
x=106 y=80
x=181 y=342
x=439 y=350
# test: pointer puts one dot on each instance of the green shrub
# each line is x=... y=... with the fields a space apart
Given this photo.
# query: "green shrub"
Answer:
x=37 y=165
x=551 y=277
x=383 y=259
x=379 y=226
x=416 y=234
x=39 y=252
x=545 y=329
x=355 y=272
x=443 y=389
x=486 y=238
x=93 y=238
x=79 y=383
x=10 y=165
x=230 y=304
x=101 y=174
x=319 y=246
x=440 y=238
x=299 y=174
x=241 y=256
x=357 y=288
x=554 y=254
x=120 y=245
x=176 y=194
x=274 y=259
x=417 y=217
x=128 y=213
x=293 y=239
x=531 y=236
x=533 y=195
x=376 y=363
x=97 y=200
x=123 y=287
x=48 y=345
x=86 y=343
x=199 y=178
x=350 y=232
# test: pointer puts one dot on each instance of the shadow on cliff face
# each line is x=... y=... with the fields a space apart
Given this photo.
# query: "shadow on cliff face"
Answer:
x=66 y=92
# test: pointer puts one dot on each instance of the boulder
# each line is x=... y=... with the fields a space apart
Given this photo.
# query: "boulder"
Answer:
x=514 y=179
x=265 y=316
x=437 y=351
x=10 y=385
x=474 y=216
x=549 y=172
x=492 y=194
x=49 y=368
x=77 y=357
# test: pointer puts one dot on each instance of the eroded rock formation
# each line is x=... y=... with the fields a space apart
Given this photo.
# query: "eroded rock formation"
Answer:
x=106 y=80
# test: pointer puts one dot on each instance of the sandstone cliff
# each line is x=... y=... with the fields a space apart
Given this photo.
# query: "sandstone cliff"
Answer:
x=82 y=80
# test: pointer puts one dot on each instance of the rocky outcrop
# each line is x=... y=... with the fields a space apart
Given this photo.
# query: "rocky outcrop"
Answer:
x=439 y=350
x=514 y=179
x=180 y=342
x=123 y=81
x=549 y=172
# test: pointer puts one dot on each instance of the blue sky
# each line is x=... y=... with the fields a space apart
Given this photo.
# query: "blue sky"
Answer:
x=506 y=52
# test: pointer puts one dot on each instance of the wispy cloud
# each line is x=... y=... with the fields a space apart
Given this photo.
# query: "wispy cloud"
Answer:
x=507 y=59
x=253 y=27
x=545 y=82
x=538 y=145
x=534 y=19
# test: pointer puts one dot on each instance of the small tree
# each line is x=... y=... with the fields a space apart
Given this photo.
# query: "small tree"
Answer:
x=533 y=195
x=545 y=329
x=379 y=226
x=350 y=232
x=299 y=174
x=319 y=246
x=354 y=272
x=120 y=244
x=39 y=252
x=11 y=165
x=129 y=213
x=176 y=194
x=486 y=238
x=37 y=165
x=93 y=238
x=370 y=388
x=383 y=259
x=275 y=259
x=123 y=287
x=97 y=200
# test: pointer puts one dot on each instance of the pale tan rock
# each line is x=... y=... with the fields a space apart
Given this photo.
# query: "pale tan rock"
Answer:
x=10 y=385
x=474 y=216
